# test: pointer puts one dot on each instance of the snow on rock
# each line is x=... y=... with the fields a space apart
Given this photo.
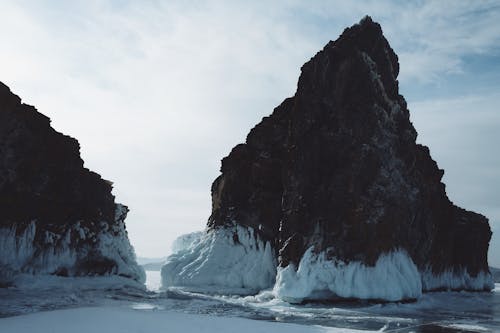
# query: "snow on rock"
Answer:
x=223 y=260
x=394 y=277
x=453 y=280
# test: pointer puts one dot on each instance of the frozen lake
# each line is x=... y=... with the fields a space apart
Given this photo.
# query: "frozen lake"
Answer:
x=433 y=312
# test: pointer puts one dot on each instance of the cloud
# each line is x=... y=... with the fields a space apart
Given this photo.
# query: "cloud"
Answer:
x=158 y=92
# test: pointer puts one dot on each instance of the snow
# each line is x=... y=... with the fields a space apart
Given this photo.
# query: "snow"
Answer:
x=225 y=260
x=20 y=254
x=125 y=320
x=461 y=280
x=393 y=278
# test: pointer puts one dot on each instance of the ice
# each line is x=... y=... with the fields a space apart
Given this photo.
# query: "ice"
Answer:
x=234 y=260
x=153 y=280
x=115 y=245
x=224 y=260
x=20 y=254
x=433 y=312
x=460 y=280
x=119 y=319
x=393 y=278
x=469 y=328
x=184 y=241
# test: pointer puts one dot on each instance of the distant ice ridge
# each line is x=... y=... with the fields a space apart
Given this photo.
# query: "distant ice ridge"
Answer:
x=59 y=254
x=393 y=278
x=224 y=260
x=461 y=280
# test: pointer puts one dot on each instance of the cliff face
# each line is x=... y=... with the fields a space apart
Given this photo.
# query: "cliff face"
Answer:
x=57 y=216
x=336 y=168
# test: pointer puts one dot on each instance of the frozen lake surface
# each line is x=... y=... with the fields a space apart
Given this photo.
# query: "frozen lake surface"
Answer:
x=152 y=310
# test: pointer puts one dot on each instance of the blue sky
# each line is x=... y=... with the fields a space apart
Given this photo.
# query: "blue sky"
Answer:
x=157 y=92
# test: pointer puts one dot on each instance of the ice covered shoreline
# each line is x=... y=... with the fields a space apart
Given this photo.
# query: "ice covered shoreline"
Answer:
x=129 y=310
x=234 y=260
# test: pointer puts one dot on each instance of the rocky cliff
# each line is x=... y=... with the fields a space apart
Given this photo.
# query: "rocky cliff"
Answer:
x=57 y=217
x=334 y=178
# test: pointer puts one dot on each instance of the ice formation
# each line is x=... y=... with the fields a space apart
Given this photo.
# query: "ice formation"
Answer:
x=184 y=241
x=235 y=260
x=224 y=260
x=59 y=255
x=394 y=277
x=456 y=280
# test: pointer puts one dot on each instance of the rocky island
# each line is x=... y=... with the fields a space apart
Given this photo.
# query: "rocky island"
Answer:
x=57 y=217
x=331 y=197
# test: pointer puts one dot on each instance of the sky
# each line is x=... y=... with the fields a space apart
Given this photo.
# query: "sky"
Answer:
x=158 y=92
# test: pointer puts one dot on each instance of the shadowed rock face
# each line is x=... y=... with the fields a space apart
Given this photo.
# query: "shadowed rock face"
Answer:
x=57 y=217
x=337 y=167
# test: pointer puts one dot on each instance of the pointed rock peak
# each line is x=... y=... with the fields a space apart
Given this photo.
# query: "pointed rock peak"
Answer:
x=360 y=50
x=367 y=22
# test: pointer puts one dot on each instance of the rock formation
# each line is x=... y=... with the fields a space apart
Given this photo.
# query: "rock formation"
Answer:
x=334 y=178
x=57 y=217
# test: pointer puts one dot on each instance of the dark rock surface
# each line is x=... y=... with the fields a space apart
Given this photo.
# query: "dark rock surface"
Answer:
x=337 y=167
x=57 y=217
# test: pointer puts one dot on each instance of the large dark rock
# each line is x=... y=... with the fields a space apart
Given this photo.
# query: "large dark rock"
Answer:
x=336 y=167
x=57 y=217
